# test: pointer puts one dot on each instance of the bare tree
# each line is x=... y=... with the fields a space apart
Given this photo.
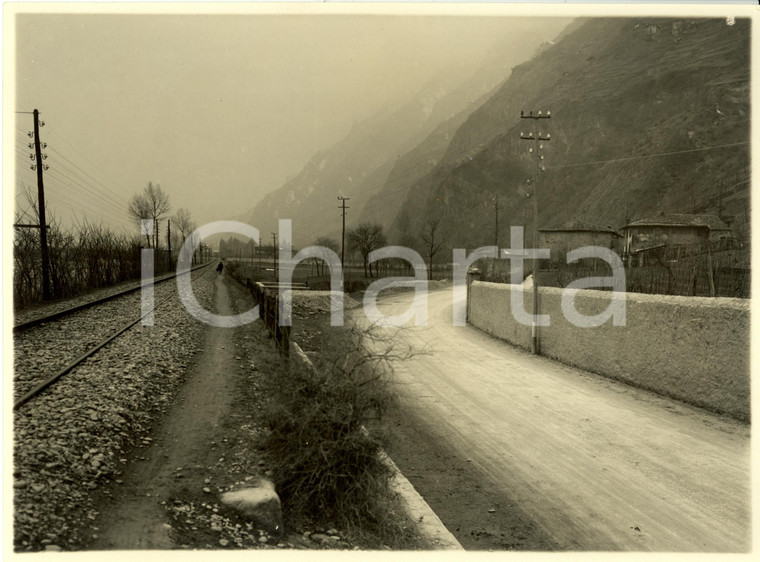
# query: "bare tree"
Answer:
x=433 y=241
x=330 y=244
x=139 y=211
x=152 y=203
x=183 y=225
x=406 y=237
x=364 y=239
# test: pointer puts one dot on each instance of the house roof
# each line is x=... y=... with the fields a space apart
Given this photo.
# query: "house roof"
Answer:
x=579 y=226
x=677 y=219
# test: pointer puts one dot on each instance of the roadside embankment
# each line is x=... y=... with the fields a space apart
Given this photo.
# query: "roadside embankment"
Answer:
x=693 y=349
x=324 y=463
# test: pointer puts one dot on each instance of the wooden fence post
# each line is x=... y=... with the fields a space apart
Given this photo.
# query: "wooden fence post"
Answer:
x=710 y=270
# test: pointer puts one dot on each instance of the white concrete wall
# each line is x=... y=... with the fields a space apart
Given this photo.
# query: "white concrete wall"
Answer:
x=691 y=348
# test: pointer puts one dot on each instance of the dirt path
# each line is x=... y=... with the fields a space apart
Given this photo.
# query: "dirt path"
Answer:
x=135 y=517
x=595 y=464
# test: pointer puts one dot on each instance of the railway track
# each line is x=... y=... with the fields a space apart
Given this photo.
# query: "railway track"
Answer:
x=48 y=347
x=24 y=325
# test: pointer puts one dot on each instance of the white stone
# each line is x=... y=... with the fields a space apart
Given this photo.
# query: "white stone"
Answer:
x=260 y=504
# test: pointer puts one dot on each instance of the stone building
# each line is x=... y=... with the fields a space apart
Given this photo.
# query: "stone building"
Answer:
x=576 y=234
x=668 y=230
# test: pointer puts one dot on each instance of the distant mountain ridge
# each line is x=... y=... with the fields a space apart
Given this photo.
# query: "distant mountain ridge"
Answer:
x=373 y=154
x=620 y=91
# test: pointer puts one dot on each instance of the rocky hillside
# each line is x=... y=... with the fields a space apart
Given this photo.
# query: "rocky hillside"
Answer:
x=380 y=150
x=639 y=107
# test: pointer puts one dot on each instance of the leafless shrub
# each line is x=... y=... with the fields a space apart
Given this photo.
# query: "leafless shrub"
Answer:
x=325 y=463
x=82 y=258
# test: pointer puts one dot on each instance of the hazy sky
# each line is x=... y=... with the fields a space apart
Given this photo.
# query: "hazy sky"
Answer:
x=219 y=109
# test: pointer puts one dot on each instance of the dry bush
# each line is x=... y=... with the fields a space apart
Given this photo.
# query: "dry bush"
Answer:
x=83 y=258
x=325 y=464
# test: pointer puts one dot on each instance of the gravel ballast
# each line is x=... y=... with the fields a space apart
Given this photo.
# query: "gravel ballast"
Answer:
x=41 y=310
x=72 y=439
x=42 y=350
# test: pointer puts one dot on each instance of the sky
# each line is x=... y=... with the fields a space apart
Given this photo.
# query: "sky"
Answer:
x=217 y=109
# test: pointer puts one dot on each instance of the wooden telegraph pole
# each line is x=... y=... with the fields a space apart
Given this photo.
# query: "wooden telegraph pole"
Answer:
x=538 y=139
x=46 y=293
x=343 y=238
x=274 y=253
x=169 y=239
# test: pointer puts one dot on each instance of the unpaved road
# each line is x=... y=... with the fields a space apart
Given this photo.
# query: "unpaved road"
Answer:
x=596 y=464
x=135 y=517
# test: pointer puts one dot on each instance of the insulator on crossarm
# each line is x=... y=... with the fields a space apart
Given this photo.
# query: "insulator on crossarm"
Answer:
x=30 y=134
x=44 y=145
x=31 y=157
x=30 y=145
x=33 y=167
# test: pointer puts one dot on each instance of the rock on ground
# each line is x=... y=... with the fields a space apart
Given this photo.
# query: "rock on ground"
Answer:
x=261 y=504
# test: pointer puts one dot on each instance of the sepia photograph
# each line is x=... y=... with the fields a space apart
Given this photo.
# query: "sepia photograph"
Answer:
x=363 y=279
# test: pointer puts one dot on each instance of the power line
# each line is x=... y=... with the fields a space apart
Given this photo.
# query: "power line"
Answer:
x=76 y=193
x=111 y=195
x=94 y=183
x=65 y=176
x=118 y=215
x=83 y=191
x=55 y=132
x=78 y=183
x=648 y=156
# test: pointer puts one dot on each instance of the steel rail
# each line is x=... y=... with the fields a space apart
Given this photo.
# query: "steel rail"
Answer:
x=60 y=314
x=52 y=379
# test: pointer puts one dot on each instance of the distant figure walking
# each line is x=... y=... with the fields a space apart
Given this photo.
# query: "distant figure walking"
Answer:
x=219 y=267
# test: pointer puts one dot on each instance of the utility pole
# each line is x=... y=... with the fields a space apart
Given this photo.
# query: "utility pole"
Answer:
x=274 y=252
x=169 y=239
x=537 y=138
x=343 y=237
x=46 y=293
x=496 y=222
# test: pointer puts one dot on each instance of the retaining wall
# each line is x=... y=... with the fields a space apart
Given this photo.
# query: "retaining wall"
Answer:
x=690 y=348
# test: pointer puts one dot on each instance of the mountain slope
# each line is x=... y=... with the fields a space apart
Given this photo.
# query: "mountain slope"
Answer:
x=620 y=91
x=360 y=165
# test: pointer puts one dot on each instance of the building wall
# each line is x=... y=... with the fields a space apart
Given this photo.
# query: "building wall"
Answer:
x=562 y=242
x=648 y=236
x=690 y=348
